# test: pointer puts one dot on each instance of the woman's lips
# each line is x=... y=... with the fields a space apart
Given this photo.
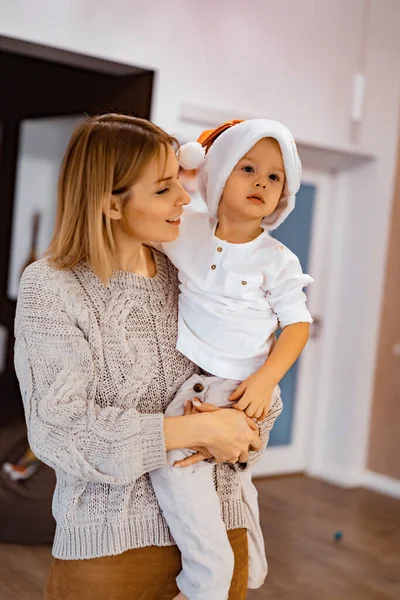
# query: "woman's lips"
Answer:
x=175 y=222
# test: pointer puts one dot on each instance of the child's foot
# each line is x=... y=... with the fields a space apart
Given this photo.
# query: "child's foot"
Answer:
x=180 y=596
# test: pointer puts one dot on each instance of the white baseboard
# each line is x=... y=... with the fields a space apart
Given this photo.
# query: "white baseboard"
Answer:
x=382 y=484
x=339 y=477
x=282 y=463
x=278 y=460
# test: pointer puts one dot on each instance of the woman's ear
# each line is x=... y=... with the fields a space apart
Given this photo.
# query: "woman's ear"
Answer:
x=112 y=207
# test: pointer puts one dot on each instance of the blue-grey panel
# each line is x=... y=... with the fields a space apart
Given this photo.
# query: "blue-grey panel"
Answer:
x=295 y=233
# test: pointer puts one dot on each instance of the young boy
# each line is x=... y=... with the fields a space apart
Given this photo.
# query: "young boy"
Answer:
x=238 y=286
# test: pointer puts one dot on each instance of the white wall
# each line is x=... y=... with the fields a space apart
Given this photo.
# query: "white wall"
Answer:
x=42 y=146
x=293 y=61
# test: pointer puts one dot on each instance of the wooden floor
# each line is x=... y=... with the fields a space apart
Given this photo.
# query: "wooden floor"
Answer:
x=299 y=518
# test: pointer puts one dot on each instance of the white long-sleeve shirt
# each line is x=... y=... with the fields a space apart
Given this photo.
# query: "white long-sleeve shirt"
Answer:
x=233 y=296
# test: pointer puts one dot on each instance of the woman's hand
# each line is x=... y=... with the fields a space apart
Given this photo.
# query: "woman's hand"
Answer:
x=227 y=438
x=201 y=451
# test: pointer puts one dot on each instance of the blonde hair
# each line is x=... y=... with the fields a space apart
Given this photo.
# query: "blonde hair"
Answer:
x=106 y=155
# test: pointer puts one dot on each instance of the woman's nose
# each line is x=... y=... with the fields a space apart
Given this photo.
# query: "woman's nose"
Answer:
x=183 y=196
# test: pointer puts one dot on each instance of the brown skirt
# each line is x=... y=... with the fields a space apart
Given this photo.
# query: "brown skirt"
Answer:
x=138 y=574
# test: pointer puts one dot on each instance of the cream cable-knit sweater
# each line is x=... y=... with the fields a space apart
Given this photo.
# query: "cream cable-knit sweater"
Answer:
x=97 y=367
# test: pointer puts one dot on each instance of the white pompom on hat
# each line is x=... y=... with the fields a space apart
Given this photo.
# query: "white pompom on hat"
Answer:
x=227 y=144
x=191 y=155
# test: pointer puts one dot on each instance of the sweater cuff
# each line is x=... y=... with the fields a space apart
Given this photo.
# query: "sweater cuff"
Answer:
x=154 y=454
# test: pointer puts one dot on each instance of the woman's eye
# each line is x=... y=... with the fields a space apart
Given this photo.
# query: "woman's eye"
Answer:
x=161 y=192
x=274 y=177
x=248 y=169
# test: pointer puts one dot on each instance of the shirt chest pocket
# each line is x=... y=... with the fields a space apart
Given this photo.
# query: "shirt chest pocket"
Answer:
x=241 y=286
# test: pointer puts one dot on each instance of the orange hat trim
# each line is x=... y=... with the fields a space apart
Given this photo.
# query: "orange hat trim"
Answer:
x=208 y=137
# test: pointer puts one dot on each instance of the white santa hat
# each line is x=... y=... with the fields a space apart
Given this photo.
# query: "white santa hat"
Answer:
x=226 y=145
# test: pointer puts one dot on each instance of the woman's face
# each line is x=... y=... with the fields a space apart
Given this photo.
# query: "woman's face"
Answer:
x=155 y=202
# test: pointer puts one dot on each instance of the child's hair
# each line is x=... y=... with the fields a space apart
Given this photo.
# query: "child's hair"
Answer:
x=106 y=155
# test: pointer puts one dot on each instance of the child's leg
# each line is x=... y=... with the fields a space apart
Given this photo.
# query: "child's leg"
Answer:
x=217 y=393
x=258 y=566
x=191 y=507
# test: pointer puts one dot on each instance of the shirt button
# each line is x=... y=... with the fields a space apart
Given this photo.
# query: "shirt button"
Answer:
x=219 y=249
x=213 y=267
x=198 y=387
x=244 y=282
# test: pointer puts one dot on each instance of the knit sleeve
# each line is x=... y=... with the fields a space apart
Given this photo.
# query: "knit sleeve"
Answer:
x=67 y=429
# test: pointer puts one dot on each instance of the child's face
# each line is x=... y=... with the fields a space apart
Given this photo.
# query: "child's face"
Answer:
x=254 y=187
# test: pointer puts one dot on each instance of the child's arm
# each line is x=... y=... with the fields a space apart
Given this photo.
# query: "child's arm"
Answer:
x=254 y=393
x=285 y=281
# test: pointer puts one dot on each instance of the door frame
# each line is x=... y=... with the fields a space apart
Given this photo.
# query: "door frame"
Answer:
x=296 y=456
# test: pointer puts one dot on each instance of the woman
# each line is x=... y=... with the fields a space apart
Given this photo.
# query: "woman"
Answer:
x=95 y=355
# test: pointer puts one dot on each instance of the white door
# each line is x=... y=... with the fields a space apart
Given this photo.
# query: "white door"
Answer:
x=306 y=232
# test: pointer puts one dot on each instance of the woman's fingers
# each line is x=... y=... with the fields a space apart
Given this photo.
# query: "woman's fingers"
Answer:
x=204 y=406
x=244 y=457
x=231 y=433
x=190 y=460
x=188 y=408
x=256 y=444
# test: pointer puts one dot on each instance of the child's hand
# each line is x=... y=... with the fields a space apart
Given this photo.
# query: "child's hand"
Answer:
x=253 y=396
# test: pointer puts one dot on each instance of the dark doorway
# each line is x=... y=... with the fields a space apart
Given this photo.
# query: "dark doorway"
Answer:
x=39 y=82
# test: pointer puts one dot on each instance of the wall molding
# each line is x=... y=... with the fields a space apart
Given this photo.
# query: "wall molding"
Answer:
x=278 y=460
x=340 y=477
x=382 y=484
x=376 y=482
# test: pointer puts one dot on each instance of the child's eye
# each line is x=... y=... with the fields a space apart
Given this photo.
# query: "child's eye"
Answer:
x=274 y=177
x=161 y=192
x=248 y=169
